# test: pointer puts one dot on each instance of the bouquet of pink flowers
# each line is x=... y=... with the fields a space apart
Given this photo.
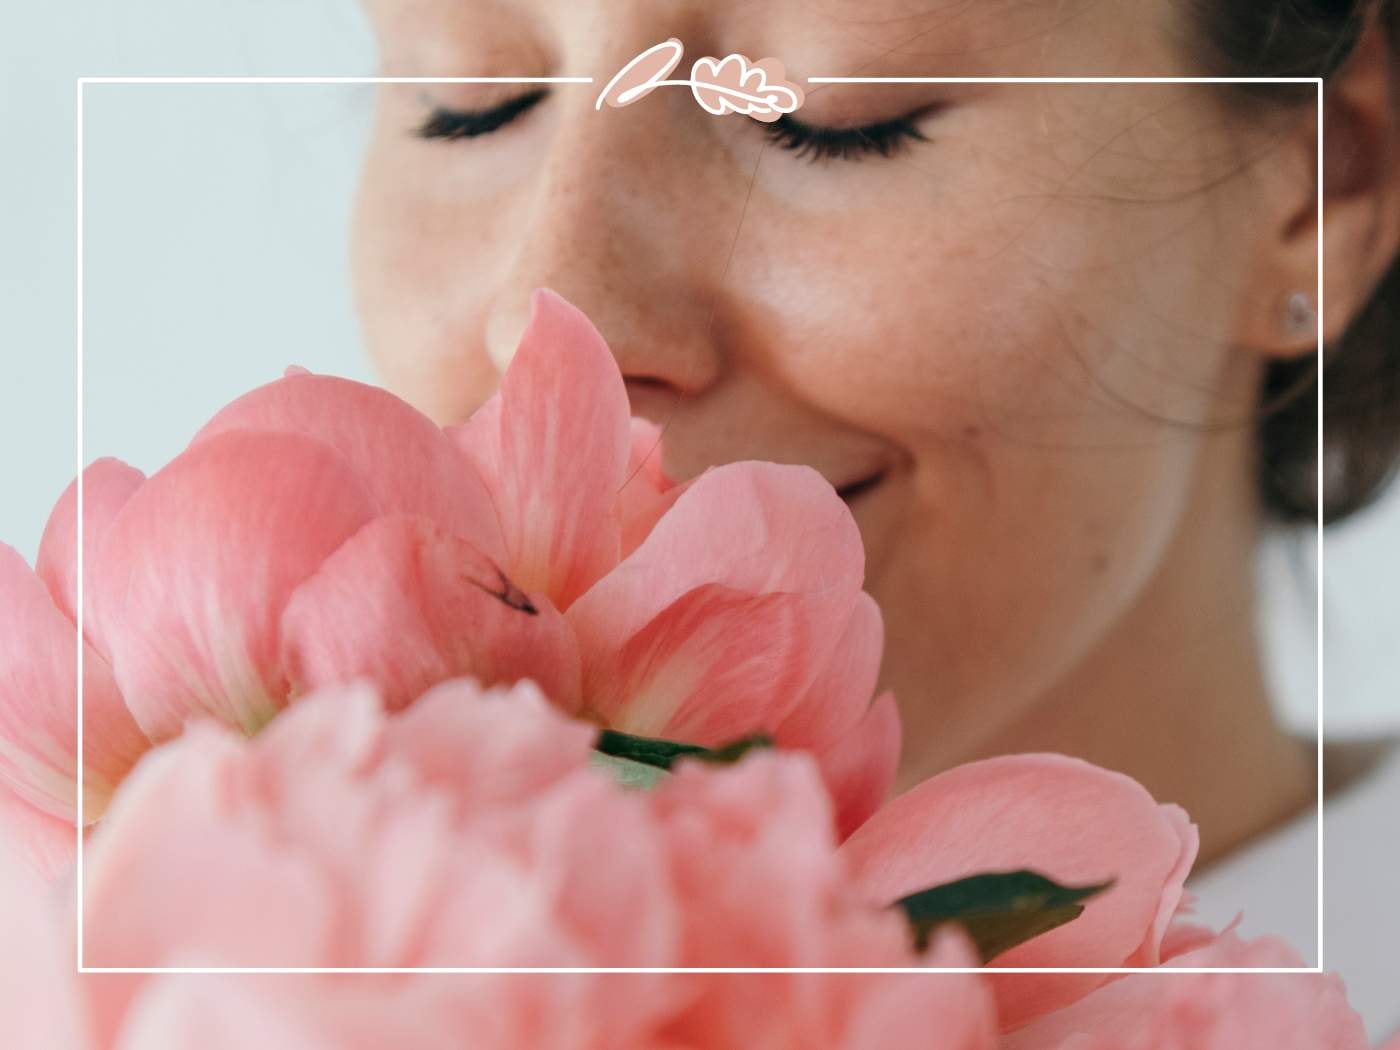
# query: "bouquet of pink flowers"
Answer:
x=363 y=694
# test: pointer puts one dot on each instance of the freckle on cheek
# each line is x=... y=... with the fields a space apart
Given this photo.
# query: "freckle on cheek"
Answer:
x=971 y=431
x=1099 y=563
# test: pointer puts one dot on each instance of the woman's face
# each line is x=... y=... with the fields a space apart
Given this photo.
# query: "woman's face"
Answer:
x=996 y=341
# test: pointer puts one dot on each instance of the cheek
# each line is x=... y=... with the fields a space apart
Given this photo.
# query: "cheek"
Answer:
x=421 y=315
x=1013 y=562
x=1026 y=394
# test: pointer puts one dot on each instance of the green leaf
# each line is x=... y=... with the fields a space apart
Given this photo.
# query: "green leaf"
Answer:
x=998 y=910
x=737 y=749
x=629 y=774
x=662 y=754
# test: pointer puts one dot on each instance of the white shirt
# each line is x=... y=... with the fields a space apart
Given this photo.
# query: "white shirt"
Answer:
x=1274 y=884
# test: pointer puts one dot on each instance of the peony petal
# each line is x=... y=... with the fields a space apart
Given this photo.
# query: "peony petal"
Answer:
x=646 y=493
x=615 y=906
x=842 y=1011
x=839 y=698
x=532 y=747
x=42 y=844
x=1174 y=900
x=407 y=605
x=39 y=703
x=1205 y=1011
x=901 y=1011
x=479 y=438
x=1183 y=937
x=274 y=907
x=640 y=515
x=1067 y=820
x=107 y=485
x=715 y=665
x=644 y=457
x=757 y=835
x=426 y=1012
x=759 y=528
x=232 y=1013
x=340 y=731
x=405 y=461
x=197 y=569
x=40 y=1008
x=558 y=454
x=856 y=744
x=860 y=768
x=327 y=755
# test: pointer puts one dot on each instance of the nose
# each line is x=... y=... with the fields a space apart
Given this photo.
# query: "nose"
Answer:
x=626 y=217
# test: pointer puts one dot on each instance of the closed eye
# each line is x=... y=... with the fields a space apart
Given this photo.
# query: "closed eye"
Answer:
x=450 y=124
x=884 y=139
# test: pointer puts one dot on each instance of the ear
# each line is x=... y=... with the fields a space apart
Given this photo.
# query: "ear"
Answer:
x=1360 y=201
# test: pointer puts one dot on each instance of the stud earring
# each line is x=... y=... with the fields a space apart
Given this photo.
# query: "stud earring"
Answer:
x=1299 y=315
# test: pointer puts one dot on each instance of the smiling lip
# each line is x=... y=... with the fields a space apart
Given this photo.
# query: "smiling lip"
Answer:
x=855 y=489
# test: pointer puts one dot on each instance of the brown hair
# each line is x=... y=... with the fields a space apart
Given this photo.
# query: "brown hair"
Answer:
x=1361 y=370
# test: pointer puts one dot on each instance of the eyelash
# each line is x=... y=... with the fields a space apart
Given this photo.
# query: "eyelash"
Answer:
x=884 y=139
x=451 y=124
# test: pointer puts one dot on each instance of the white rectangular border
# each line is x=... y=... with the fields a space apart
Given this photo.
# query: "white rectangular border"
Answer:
x=81 y=84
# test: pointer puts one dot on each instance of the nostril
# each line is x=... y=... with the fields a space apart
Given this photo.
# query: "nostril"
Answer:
x=642 y=382
x=858 y=488
x=650 y=396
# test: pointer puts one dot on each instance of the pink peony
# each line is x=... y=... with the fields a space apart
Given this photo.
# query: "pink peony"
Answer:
x=318 y=531
x=196 y=582
x=464 y=831
x=353 y=839
x=472 y=830
x=725 y=606
x=227 y=575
